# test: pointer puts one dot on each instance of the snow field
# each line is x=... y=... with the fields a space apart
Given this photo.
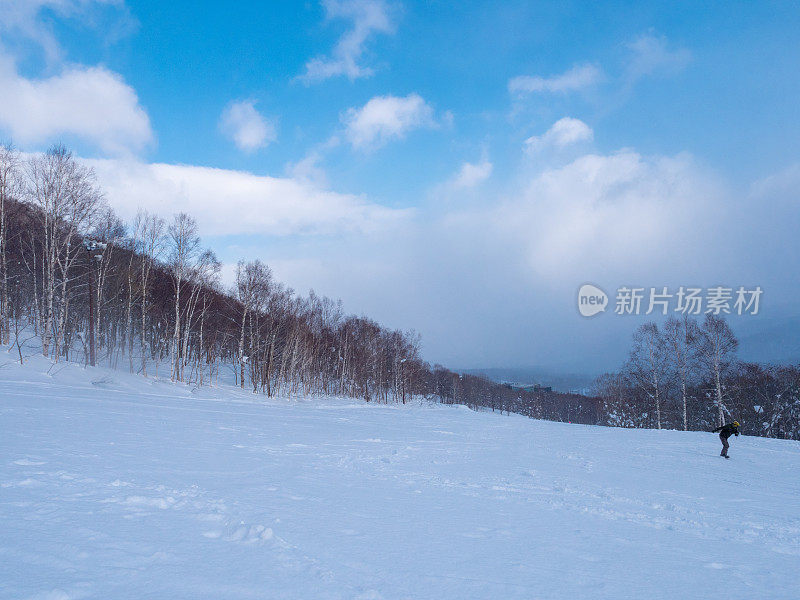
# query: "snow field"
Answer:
x=116 y=486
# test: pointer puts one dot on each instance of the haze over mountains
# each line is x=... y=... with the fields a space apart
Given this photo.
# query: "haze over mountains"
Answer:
x=558 y=380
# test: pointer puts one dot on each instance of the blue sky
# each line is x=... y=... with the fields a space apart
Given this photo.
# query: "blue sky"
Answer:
x=459 y=168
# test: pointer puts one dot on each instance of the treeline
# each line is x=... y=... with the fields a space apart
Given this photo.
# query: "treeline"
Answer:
x=685 y=375
x=146 y=296
x=478 y=392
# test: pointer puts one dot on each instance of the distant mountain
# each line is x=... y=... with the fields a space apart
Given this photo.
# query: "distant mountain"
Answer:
x=529 y=376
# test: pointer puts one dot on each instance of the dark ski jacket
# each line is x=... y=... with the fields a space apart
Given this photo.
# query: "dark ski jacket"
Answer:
x=727 y=431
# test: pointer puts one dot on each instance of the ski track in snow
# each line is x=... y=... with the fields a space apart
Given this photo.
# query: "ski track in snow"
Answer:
x=116 y=486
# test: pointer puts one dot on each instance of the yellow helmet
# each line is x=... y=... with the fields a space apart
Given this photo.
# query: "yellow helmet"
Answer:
x=736 y=423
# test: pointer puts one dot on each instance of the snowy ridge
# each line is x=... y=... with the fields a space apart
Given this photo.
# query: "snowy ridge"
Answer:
x=117 y=486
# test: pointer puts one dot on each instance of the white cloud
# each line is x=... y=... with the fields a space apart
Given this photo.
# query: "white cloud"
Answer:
x=228 y=202
x=614 y=219
x=563 y=133
x=577 y=78
x=368 y=18
x=618 y=212
x=650 y=54
x=471 y=175
x=385 y=118
x=249 y=130
x=91 y=103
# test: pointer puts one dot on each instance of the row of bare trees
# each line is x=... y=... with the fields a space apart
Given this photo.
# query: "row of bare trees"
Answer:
x=479 y=392
x=149 y=296
x=65 y=196
x=685 y=375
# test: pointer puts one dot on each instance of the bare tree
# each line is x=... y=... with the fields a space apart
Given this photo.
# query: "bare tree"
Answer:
x=619 y=405
x=67 y=197
x=681 y=337
x=9 y=188
x=716 y=352
x=208 y=283
x=203 y=277
x=185 y=244
x=107 y=236
x=253 y=284
x=647 y=364
x=149 y=242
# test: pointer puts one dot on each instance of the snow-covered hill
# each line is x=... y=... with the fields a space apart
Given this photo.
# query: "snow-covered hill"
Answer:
x=113 y=486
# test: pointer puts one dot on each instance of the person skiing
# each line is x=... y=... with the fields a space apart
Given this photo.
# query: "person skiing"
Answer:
x=725 y=432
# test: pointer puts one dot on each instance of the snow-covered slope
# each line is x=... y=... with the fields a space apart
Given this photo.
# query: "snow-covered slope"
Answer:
x=114 y=486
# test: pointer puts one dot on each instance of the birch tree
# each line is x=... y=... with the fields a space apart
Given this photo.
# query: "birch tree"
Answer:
x=253 y=282
x=716 y=352
x=66 y=196
x=203 y=277
x=185 y=244
x=108 y=233
x=681 y=337
x=149 y=242
x=647 y=364
x=9 y=188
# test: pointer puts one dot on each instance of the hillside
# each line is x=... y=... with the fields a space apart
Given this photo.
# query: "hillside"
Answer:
x=116 y=486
